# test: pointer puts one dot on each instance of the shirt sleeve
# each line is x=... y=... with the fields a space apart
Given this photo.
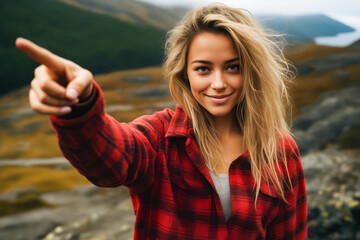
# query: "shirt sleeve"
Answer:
x=107 y=152
x=291 y=219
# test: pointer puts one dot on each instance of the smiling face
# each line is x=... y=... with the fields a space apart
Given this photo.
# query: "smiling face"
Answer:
x=213 y=69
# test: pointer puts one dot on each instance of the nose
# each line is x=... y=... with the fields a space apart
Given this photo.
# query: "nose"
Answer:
x=218 y=82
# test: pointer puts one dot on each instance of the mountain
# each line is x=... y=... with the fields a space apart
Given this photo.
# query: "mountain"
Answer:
x=97 y=42
x=304 y=28
x=134 y=11
x=109 y=35
x=300 y=28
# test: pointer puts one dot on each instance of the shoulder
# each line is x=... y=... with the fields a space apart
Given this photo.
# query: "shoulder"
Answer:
x=294 y=167
x=288 y=146
x=158 y=121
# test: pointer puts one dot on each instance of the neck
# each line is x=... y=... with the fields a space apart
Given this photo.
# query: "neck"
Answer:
x=226 y=125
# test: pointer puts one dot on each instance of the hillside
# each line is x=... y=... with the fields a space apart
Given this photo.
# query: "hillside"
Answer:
x=110 y=35
x=133 y=11
x=41 y=187
x=95 y=41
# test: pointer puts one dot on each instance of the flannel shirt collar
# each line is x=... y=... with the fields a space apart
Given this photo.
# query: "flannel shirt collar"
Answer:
x=180 y=125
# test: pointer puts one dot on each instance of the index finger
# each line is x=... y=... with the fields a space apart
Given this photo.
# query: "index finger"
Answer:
x=40 y=54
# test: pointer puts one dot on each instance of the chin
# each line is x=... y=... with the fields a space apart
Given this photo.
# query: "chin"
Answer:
x=220 y=112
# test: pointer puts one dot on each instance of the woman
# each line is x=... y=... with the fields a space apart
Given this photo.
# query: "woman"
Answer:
x=222 y=166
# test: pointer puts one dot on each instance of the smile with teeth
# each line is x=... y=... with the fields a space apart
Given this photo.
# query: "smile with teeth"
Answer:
x=219 y=99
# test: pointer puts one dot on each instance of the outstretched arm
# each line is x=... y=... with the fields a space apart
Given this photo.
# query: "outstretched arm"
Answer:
x=105 y=151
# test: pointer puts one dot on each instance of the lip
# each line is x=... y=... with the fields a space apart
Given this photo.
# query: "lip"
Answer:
x=219 y=99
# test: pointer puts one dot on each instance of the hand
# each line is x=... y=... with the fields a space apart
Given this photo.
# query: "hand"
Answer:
x=58 y=83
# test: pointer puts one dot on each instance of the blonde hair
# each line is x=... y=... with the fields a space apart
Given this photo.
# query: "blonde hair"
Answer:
x=264 y=103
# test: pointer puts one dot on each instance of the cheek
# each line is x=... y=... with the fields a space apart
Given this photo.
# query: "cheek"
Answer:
x=237 y=83
x=197 y=84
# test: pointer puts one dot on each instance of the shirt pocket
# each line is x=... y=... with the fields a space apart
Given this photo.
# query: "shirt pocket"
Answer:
x=190 y=180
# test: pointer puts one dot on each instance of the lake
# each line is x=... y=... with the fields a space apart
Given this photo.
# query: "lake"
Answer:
x=343 y=39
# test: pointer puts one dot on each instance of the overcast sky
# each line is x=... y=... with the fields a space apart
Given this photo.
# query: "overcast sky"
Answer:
x=341 y=9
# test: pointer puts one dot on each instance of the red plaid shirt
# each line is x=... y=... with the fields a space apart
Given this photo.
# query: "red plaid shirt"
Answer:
x=172 y=191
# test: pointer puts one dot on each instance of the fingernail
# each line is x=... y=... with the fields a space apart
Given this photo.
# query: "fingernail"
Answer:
x=72 y=93
x=66 y=109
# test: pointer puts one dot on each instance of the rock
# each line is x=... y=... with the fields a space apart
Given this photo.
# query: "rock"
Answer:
x=9 y=105
x=327 y=118
x=341 y=76
x=335 y=61
x=332 y=182
x=115 y=108
x=150 y=92
x=28 y=128
x=169 y=104
x=138 y=79
x=36 y=162
x=11 y=196
x=72 y=196
x=9 y=119
x=24 y=112
x=87 y=212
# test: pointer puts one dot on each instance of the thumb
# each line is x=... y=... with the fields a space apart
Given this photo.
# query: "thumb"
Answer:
x=81 y=86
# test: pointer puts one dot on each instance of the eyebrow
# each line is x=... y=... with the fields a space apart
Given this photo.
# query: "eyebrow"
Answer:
x=207 y=62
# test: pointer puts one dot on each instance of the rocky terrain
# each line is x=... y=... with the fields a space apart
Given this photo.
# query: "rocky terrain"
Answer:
x=86 y=212
x=333 y=180
x=42 y=197
x=326 y=119
x=332 y=175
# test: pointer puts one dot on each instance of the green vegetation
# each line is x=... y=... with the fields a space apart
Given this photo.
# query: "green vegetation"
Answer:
x=97 y=42
x=134 y=11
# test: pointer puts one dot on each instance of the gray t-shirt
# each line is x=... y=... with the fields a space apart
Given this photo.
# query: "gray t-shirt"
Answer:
x=222 y=186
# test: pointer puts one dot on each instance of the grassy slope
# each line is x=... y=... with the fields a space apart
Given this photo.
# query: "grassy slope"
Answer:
x=307 y=88
x=17 y=142
x=42 y=143
x=97 y=42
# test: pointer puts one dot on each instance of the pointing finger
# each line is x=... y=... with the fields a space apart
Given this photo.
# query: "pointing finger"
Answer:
x=41 y=55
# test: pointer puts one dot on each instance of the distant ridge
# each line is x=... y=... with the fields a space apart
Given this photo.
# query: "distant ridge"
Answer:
x=133 y=11
x=109 y=35
x=97 y=42
x=304 y=28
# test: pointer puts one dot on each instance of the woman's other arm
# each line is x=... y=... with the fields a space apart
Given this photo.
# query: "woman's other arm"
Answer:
x=291 y=219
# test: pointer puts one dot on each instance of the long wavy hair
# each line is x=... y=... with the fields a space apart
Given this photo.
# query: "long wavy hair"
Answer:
x=263 y=108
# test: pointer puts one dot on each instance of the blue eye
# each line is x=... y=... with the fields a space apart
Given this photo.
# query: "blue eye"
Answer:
x=202 y=69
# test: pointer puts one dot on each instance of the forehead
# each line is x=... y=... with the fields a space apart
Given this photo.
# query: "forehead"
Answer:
x=212 y=45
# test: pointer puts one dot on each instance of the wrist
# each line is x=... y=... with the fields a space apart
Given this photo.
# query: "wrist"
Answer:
x=88 y=99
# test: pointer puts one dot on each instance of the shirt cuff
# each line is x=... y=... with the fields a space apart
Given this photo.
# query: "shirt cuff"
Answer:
x=82 y=111
x=83 y=106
